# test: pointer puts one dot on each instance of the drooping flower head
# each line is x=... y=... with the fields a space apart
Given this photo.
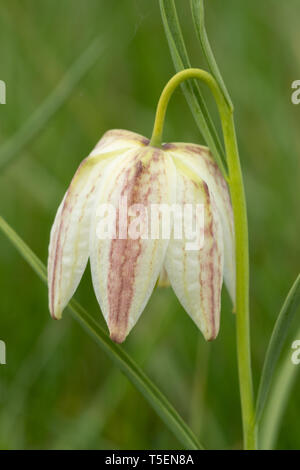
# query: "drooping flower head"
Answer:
x=113 y=214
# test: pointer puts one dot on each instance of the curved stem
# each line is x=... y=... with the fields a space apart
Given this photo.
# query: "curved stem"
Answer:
x=235 y=181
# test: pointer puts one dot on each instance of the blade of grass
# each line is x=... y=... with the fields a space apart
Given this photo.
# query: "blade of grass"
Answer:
x=37 y=121
x=191 y=88
x=118 y=355
x=275 y=407
x=197 y=7
x=280 y=331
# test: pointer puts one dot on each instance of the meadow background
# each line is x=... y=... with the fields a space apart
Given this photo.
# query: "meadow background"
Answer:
x=58 y=390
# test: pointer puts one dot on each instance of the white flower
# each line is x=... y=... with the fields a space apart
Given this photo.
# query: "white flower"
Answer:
x=125 y=270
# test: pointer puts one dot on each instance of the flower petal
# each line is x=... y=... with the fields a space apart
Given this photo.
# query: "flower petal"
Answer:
x=125 y=270
x=199 y=160
x=195 y=273
x=69 y=238
x=118 y=139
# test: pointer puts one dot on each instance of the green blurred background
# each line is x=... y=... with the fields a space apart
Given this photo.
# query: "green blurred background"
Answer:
x=58 y=390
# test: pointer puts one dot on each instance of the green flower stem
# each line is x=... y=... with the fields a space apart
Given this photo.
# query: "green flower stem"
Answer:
x=235 y=181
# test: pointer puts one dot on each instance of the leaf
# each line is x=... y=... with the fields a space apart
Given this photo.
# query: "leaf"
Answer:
x=280 y=331
x=275 y=406
x=197 y=7
x=37 y=121
x=140 y=380
x=191 y=88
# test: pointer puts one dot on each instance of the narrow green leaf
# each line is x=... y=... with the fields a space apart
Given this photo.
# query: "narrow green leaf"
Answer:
x=37 y=121
x=276 y=343
x=191 y=88
x=282 y=386
x=197 y=7
x=117 y=354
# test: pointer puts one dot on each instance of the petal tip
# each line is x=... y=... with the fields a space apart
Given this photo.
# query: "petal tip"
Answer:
x=56 y=315
x=117 y=336
x=118 y=332
x=211 y=335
